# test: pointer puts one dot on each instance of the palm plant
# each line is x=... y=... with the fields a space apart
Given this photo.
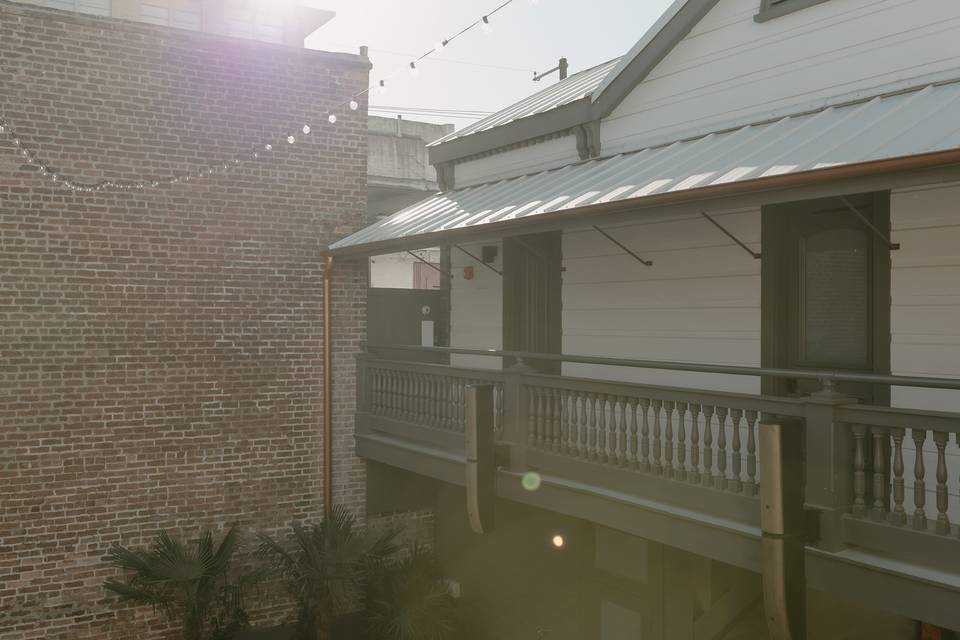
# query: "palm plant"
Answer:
x=189 y=584
x=326 y=568
x=410 y=600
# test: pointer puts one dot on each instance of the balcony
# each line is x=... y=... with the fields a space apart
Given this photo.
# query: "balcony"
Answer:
x=681 y=466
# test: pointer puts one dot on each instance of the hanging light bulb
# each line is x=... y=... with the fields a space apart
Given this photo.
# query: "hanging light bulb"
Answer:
x=485 y=25
x=382 y=89
x=438 y=47
x=268 y=147
x=305 y=129
x=354 y=105
x=332 y=119
x=413 y=69
x=291 y=139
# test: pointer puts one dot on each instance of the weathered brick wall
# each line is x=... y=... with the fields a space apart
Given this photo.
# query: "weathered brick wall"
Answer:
x=160 y=353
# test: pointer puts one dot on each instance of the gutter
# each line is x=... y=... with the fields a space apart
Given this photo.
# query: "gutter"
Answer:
x=557 y=219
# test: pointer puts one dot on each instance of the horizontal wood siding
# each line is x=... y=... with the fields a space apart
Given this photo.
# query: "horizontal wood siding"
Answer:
x=476 y=316
x=700 y=301
x=548 y=154
x=732 y=69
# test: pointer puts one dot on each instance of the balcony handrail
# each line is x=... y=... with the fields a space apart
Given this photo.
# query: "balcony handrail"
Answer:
x=825 y=377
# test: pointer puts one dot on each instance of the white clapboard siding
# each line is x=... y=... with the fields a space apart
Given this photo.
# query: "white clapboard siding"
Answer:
x=925 y=318
x=699 y=302
x=476 y=318
x=548 y=154
x=731 y=69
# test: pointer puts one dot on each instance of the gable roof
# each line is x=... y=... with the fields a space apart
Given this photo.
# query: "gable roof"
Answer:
x=585 y=96
x=574 y=87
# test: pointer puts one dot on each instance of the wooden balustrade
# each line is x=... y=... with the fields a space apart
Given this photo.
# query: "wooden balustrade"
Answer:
x=884 y=468
x=897 y=466
x=649 y=433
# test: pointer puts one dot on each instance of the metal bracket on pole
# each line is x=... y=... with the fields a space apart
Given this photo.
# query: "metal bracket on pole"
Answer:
x=892 y=246
x=756 y=256
x=492 y=268
x=648 y=263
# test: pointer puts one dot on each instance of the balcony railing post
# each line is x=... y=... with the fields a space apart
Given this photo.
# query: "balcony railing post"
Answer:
x=829 y=464
x=516 y=427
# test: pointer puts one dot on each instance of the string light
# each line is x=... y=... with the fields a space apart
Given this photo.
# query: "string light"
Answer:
x=30 y=157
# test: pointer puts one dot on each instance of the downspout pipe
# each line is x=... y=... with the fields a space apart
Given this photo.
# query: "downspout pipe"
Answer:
x=327 y=388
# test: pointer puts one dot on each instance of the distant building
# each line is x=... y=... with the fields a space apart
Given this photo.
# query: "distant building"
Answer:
x=399 y=174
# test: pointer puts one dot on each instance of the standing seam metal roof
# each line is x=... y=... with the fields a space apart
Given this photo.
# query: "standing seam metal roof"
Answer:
x=579 y=85
x=919 y=121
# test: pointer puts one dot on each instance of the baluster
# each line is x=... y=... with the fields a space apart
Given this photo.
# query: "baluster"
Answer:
x=583 y=434
x=879 y=510
x=750 y=486
x=603 y=434
x=372 y=376
x=859 y=476
x=394 y=384
x=564 y=422
x=448 y=407
x=645 y=436
x=669 y=465
x=620 y=421
x=547 y=419
x=940 y=439
x=720 y=480
x=681 y=441
x=592 y=442
x=695 y=443
x=405 y=391
x=919 y=487
x=736 y=460
x=657 y=446
x=424 y=398
x=417 y=396
x=430 y=400
x=707 y=477
x=555 y=420
x=899 y=516
x=623 y=431
x=633 y=435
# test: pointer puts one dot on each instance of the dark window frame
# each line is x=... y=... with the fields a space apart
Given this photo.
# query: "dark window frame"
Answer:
x=770 y=9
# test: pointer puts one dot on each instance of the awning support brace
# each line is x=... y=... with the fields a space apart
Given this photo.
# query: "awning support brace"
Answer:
x=892 y=246
x=491 y=267
x=648 y=263
x=756 y=256
x=430 y=264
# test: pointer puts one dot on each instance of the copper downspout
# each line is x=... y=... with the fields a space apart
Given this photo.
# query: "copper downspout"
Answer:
x=327 y=390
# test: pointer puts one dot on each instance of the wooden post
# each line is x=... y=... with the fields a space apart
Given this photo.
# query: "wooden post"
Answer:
x=781 y=521
x=829 y=465
x=480 y=466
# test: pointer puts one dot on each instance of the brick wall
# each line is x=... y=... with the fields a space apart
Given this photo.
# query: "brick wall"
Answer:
x=160 y=353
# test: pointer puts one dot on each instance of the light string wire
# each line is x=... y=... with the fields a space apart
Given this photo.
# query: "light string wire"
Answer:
x=229 y=165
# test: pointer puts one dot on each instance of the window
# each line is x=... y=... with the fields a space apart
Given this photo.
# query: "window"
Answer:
x=770 y=9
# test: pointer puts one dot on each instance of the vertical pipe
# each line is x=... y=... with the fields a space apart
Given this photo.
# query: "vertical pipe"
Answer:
x=327 y=390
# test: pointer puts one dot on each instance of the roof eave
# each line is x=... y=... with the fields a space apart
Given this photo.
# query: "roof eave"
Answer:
x=559 y=218
x=536 y=126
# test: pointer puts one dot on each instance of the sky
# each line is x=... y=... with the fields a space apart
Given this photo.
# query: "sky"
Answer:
x=478 y=72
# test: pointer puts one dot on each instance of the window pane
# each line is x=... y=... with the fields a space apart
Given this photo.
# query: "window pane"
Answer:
x=835 y=297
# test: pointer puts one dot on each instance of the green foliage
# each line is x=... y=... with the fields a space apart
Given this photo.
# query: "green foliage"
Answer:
x=410 y=600
x=190 y=584
x=325 y=568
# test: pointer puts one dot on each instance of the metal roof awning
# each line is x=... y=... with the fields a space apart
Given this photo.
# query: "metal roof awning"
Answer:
x=918 y=122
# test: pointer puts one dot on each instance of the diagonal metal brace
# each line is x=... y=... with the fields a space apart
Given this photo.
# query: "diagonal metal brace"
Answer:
x=756 y=256
x=892 y=246
x=431 y=265
x=609 y=237
x=491 y=267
